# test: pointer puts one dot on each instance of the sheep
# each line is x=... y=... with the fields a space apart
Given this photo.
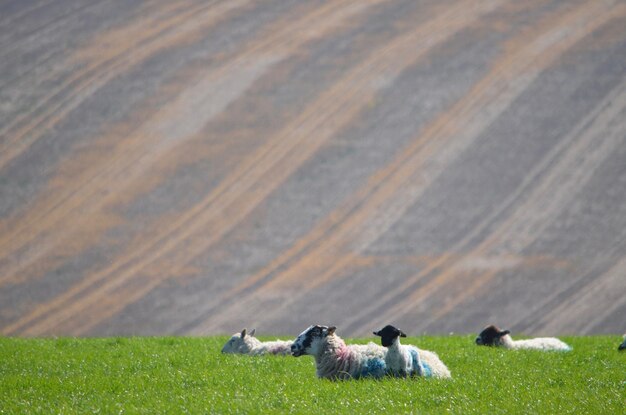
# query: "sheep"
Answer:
x=403 y=361
x=246 y=343
x=493 y=336
x=623 y=345
x=335 y=360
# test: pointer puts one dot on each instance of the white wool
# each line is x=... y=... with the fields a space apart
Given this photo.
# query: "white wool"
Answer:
x=250 y=345
x=409 y=360
x=539 y=343
x=400 y=361
x=437 y=367
x=281 y=347
x=335 y=360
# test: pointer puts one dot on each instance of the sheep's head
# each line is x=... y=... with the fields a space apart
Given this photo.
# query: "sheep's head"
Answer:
x=309 y=340
x=240 y=343
x=491 y=336
x=623 y=345
x=389 y=334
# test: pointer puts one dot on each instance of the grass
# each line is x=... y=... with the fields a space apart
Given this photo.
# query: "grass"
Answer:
x=188 y=375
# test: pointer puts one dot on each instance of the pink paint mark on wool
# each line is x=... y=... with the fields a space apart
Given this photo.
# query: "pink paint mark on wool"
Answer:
x=343 y=353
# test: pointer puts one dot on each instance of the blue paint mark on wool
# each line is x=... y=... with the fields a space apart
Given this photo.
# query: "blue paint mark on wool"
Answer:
x=374 y=367
x=417 y=363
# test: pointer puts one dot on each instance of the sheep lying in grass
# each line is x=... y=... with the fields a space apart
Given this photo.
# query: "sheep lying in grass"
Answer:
x=244 y=343
x=623 y=345
x=403 y=361
x=337 y=361
x=493 y=336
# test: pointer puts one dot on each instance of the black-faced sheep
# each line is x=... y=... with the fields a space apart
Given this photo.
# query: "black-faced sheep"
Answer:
x=623 y=345
x=246 y=343
x=493 y=336
x=408 y=360
x=337 y=361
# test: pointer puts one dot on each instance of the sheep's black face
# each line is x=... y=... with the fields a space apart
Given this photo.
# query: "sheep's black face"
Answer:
x=389 y=334
x=302 y=344
x=490 y=336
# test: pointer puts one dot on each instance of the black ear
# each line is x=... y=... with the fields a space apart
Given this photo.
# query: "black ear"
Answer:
x=375 y=333
x=402 y=333
x=504 y=332
x=331 y=330
x=243 y=333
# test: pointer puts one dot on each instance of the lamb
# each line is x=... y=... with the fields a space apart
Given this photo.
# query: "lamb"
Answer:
x=623 y=345
x=403 y=361
x=335 y=360
x=244 y=343
x=493 y=336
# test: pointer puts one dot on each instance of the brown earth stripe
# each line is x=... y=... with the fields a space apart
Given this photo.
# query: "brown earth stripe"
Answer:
x=331 y=256
x=88 y=191
x=340 y=104
x=576 y=308
x=14 y=237
x=336 y=220
x=184 y=220
x=143 y=41
x=508 y=68
x=544 y=191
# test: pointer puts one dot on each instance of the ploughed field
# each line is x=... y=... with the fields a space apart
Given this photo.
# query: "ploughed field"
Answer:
x=193 y=167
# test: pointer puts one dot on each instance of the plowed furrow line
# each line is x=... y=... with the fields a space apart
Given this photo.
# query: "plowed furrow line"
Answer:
x=557 y=190
x=43 y=30
x=82 y=194
x=61 y=204
x=508 y=79
x=12 y=18
x=289 y=150
x=138 y=33
x=85 y=208
x=185 y=224
x=547 y=199
x=554 y=193
x=600 y=300
x=323 y=253
x=147 y=41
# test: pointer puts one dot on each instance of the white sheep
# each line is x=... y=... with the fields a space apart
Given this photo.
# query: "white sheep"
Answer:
x=403 y=361
x=623 y=345
x=337 y=361
x=493 y=336
x=246 y=343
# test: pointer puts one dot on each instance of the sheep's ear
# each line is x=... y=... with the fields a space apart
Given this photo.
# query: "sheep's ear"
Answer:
x=504 y=332
x=331 y=330
x=243 y=333
x=375 y=333
x=402 y=333
x=252 y=332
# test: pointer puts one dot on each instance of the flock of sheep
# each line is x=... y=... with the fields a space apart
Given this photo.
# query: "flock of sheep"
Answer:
x=336 y=360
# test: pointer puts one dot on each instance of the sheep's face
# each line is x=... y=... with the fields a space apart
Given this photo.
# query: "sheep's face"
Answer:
x=309 y=341
x=237 y=343
x=491 y=336
x=389 y=334
x=623 y=345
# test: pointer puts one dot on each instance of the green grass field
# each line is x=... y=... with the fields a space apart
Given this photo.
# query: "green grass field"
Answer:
x=190 y=375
